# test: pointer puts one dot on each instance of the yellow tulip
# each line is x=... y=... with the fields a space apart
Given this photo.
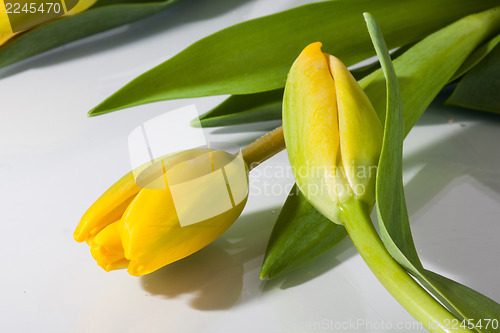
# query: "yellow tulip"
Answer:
x=332 y=133
x=334 y=138
x=165 y=211
x=31 y=19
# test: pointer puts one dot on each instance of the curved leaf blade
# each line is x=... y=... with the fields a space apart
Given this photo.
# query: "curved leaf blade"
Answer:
x=479 y=54
x=426 y=68
x=298 y=220
x=477 y=305
x=104 y=15
x=250 y=108
x=479 y=88
x=394 y=223
x=243 y=109
x=390 y=200
x=216 y=65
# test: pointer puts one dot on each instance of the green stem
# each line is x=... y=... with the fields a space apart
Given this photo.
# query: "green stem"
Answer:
x=264 y=148
x=393 y=277
x=356 y=219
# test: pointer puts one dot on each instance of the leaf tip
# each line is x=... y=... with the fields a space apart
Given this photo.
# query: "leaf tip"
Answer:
x=101 y=109
x=267 y=270
x=196 y=123
x=92 y=113
x=96 y=112
x=265 y=274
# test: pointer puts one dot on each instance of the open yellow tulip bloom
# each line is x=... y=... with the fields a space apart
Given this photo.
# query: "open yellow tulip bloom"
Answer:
x=332 y=133
x=196 y=196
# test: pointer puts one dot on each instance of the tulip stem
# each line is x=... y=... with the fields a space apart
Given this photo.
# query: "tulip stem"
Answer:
x=422 y=306
x=264 y=148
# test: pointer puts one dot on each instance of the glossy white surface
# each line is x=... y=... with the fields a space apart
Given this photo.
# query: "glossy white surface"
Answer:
x=55 y=162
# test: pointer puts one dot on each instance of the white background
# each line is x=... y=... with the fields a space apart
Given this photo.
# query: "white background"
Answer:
x=55 y=162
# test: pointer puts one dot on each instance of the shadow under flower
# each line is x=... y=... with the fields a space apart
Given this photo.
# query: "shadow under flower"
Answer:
x=214 y=275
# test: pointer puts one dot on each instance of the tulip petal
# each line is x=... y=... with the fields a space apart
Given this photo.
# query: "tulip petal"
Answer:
x=360 y=130
x=152 y=234
x=107 y=249
x=112 y=204
x=107 y=209
x=311 y=127
x=153 y=237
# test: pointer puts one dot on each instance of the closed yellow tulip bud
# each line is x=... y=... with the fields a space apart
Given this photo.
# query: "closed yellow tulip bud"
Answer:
x=332 y=133
x=165 y=211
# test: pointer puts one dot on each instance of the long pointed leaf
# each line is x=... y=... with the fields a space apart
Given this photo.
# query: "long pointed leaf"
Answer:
x=391 y=206
x=392 y=213
x=255 y=56
x=426 y=68
x=476 y=57
x=296 y=221
x=480 y=87
x=244 y=109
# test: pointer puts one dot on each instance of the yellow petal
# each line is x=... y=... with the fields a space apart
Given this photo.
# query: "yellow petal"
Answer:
x=360 y=132
x=311 y=129
x=107 y=209
x=112 y=204
x=81 y=6
x=332 y=133
x=107 y=249
x=5 y=29
x=153 y=235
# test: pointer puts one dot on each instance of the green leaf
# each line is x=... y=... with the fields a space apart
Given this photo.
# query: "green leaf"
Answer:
x=476 y=305
x=390 y=200
x=298 y=220
x=104 y=15
x=476 y=57
x=250 y=108
x=426 y=68
x=422 y=72
x=479 y=88
x=243 y=109
x=394 y=224
x=255 y=56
